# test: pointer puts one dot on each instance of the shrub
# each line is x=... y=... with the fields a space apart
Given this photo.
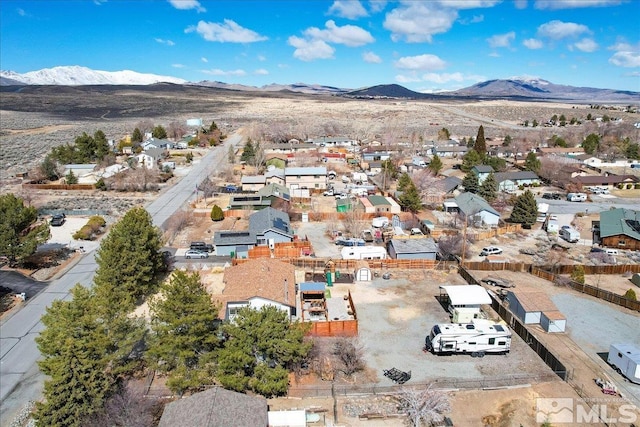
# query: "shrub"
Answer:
x=629 y=186
x=637 y=186
x=216 y=213
x=619 y=186
x=101 y=185
x=91 y=229
x=578 y=274
x=631 y=294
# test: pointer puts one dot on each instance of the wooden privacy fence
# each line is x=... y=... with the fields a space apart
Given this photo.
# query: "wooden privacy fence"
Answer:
x=497 y=266
x=589 y=290
x=59 y=186
x=494 y=232
x=352 y=264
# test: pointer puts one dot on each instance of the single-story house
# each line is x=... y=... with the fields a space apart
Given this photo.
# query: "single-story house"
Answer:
x=252 y=182
x=216 y=407
x=561 y=151
x=312 y=178
x=333 y=141
x=379 y=204
x=476 y=210
x=439 y=190
x=589 y=160
x=618 y=228
x=482 y=172
x=423 y=248
x=369 y=155
x=375 y=167
x=529 y=306
x=609 y=181
x=234 y=243
x=509 y=181
x=80 y=169
x=450 y=150
x=157 y=143
x=256 y=283
x=271 y=226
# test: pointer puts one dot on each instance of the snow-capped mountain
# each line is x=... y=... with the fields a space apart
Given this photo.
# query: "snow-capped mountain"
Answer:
x=77 y=76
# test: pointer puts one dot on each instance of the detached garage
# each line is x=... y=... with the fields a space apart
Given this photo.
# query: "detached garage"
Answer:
x=529 y=306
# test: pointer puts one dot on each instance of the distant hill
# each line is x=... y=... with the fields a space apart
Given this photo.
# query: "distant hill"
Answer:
x=274 y=87
x=386 y=91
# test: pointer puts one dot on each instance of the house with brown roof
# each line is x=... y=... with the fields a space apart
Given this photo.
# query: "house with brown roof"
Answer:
x=256 y=283
x=609 y=181
x=216 y=407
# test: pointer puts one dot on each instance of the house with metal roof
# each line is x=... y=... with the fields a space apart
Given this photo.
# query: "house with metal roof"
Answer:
x=618 y=228
x=510 y=181
x=424 y=248
x=271 y=226
x=216 y=407
x=234 y=243
x=476 y=210
x=252 y=182
x=312 y=178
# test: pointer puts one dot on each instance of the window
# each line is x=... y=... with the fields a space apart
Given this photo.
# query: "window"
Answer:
x=502 y=343
x=472 y=343
x=492 y=341
x=622 y=242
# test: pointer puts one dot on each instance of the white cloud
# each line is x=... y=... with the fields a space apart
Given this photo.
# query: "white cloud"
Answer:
x=501 y=40
x=377 y=5
x=167 y=42
x=533 y=44
x=401 y=78
x=187 y=4
x=203 y=59
x=585 y=45
x=520 y=4
x=309 y=50
x=349 y=35
x=625 y=58
x=417 y=22
x=557 y=30
x=494 y=55
x=21 y=12
x=177 y=65
x=469 y=4
x=571 y=4
x=262 y=58
x=228 y=31
x=443 y=77
x=261 y=72
x=219 y=72
x=371 y=58
x=420 y=62
x=350 y=9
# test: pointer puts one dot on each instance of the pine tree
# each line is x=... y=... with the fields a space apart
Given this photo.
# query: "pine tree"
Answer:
x=436 y=164
x=136 y=136
x=20 y=234
x=469 y=160
x=129 y=260
x=481 y=144
x=403 y=182
x=470 y=182
x=489 y=188
x=216 y=213
x=261 y=337
x=525 y=210
x=410 y=198
x=71 y=178
x=159 y=132
x=532 y=163
x=184 y=332
x=248 y=153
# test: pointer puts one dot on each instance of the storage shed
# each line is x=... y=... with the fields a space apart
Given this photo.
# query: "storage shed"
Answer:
x=529 y=306
x=363 y=272
x=465 y=296
x=553 y=321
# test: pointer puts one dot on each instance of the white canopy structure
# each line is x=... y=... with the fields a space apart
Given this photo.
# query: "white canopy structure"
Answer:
x=467 y=295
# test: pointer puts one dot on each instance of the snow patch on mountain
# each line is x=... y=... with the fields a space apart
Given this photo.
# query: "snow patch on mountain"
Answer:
x=75 y=75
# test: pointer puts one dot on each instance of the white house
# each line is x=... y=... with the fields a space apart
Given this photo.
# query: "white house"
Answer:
x=476 y=210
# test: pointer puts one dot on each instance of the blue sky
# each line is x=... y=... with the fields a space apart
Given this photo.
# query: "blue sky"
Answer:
x=426 y=46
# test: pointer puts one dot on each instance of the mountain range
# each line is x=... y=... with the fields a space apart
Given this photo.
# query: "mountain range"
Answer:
x=514 y=88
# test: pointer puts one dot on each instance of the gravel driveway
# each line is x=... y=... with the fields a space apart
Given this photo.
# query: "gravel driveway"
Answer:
x=323 y=246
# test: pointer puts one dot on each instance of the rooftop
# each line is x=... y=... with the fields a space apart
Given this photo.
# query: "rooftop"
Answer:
x=620 y=221
x=412 y=246
x=467 y=294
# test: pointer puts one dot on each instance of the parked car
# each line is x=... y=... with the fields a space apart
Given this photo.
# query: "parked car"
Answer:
x=490 y=250
x=328 y=193
x=201 y=246
x=341 y=196
x=57 y=220
x=193 y=253
x=551 y=196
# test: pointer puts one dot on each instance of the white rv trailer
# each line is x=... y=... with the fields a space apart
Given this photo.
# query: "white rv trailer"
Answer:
x=364 y=252
x=477 y=338
x=625 y=359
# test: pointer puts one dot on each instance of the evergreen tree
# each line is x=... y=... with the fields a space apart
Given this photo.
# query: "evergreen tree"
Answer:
x=444 y=134
x=410 y=198
x=73 y=348
x=489 y=188
x=248 y=153
x=632 y=151
x=471 y=159
x=436 y=164
x=213 y=127
x=481 y=144
x=101 y=144
x=136 y=136
x=129 y=260
x=531 y=163
x=591 y=143
x=71 y=178
x=19 y=234
x=470 y=182
x=184 y=332
x=403 y=182
x=496 y=163
x=507 y=141
x=525 y=210
x=159 y=132
x=49 y=168
x=263 y=346
x=216 y=213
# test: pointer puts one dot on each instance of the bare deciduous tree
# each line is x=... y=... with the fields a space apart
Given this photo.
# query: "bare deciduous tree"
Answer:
x=451 y=245
x=423 y=406
x=175 y=130
x=354 y=222
x=127 y=408
x=145 y=126
x=178 y=222
x=350 y=353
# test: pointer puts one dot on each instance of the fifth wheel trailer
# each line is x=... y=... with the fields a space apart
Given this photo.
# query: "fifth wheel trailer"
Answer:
x=364 y=252
x=476 y=338
x=625 y=358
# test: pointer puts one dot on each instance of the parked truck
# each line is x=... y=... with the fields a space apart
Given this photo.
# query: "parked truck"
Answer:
x=419 y=161
x=476 y=338
x=625 y=359
x=569 y=234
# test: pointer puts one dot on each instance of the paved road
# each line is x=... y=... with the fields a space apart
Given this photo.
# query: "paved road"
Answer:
x=20 y=379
